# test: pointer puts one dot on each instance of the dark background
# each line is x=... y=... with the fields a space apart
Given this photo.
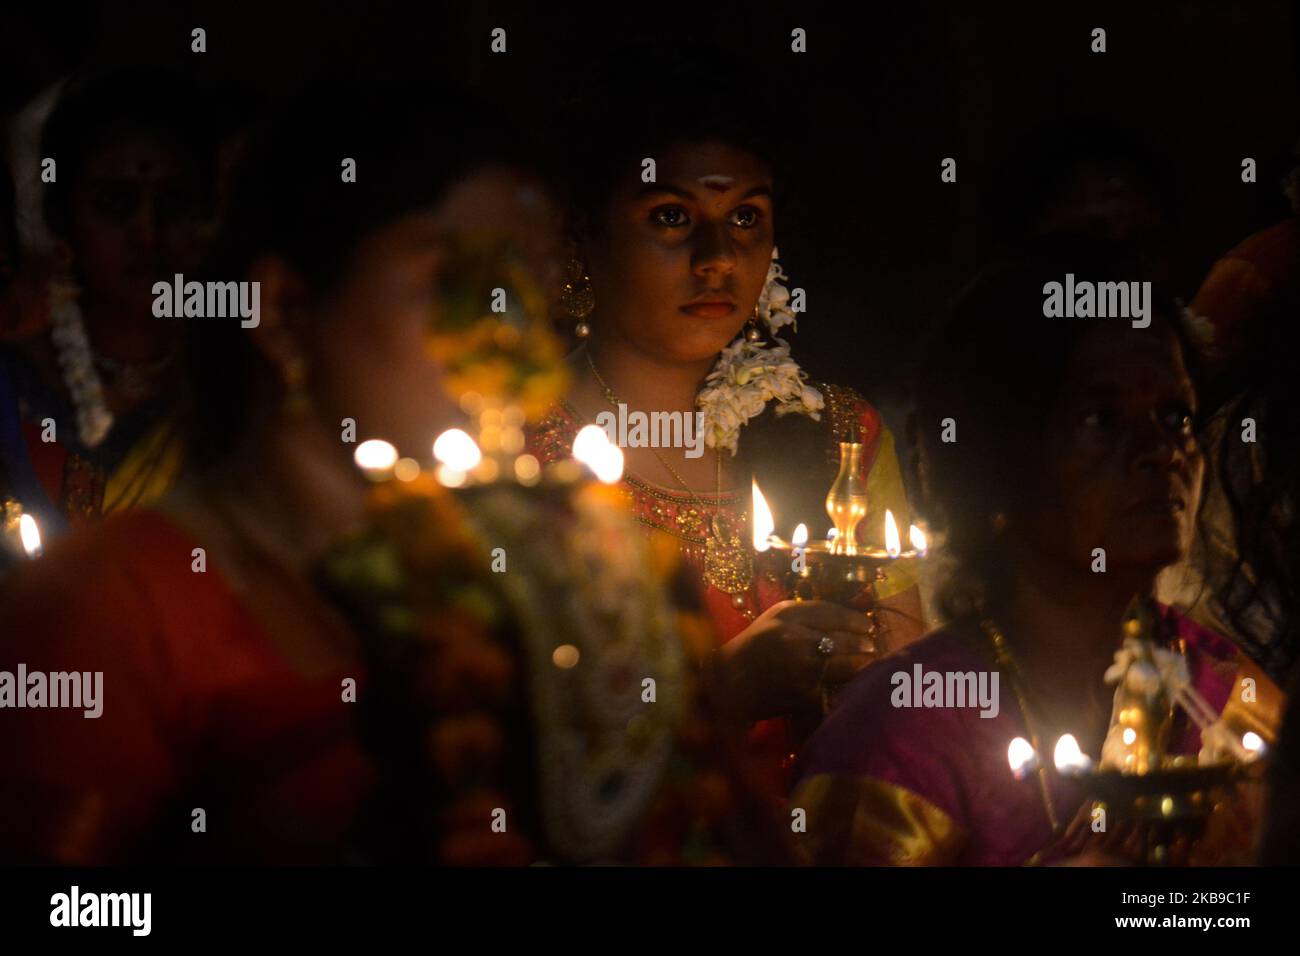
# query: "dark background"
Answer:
x=880 y=244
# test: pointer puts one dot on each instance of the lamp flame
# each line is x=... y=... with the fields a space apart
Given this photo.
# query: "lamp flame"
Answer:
x=800 y=536
x=763 y=523
x=593 y=448
x=1068 y=757
x=455 y=449
x=892 y=546
x=919 y=544
x=376 y=457
x=1020 y=756
x=30 y=533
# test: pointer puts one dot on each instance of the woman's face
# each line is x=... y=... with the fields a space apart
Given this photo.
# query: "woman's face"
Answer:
x=135 y=218
x=677 y=265
x=1124 y=468
x=368 y=356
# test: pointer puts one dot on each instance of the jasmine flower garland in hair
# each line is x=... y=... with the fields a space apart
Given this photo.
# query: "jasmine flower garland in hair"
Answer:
x=746 y=377
x=748 y=374
x=774 y=300
x=77 y=362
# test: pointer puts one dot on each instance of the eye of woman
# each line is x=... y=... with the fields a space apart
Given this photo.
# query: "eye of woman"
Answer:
x=746 y=217
x=671 y=217
x=1097 y=418
x=1181 y=419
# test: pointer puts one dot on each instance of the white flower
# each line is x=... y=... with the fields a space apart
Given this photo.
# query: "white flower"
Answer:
x=77 y=362
x=773 y=301
x=746 y=377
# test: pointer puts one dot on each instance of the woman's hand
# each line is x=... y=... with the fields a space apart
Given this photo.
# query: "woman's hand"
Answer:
x=776 y=665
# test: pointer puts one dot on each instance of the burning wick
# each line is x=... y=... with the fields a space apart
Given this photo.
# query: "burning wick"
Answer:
x=1021 y=757
x=30 y=533
x=800 y=537
x=1069 y=759
x=919 y=544
x=457 y=454
x=892 y=546
x=376 y=458
x=593 y=448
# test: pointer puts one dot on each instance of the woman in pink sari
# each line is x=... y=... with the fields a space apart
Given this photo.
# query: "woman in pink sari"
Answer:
x=1074 y=477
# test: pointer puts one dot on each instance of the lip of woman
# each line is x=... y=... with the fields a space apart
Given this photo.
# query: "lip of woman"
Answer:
x=1169 y=501
x=710 y=305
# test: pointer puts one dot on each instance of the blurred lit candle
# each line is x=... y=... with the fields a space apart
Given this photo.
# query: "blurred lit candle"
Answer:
x=800 y=537
x=30 y=534
x=593 y=448
x=763 y=523
x=892 y=546
x=1251 y=742
x=1069 y=759
x=455 y=449
x=376 y=459
x=919 y=544
x=1021 y=758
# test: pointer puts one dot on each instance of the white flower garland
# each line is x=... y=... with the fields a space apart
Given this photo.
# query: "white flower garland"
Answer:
x=748 y=375
x=75 y=358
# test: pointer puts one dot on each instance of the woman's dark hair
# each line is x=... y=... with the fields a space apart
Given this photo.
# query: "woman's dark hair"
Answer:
x=995 y=370
x=643 y=98
x=1259 y=589
x=410 y=143
x=1040 y=166
x=100 y=109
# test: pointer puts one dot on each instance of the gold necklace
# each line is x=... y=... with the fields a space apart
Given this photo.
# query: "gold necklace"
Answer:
x=728 y=564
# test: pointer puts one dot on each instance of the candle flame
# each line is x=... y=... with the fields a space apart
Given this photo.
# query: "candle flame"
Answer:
x=593 y=448
x=455 y=449
x=376 y=455
x=763 y=523
x=1020 y=754
x=917 y=536
x=1130 y=735
x=800 y=536
x=892 y=546
x=1068 y=757
x=1250 y=740
x=30 y=533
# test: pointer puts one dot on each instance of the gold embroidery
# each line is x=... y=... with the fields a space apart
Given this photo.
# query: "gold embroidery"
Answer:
x=858 y=820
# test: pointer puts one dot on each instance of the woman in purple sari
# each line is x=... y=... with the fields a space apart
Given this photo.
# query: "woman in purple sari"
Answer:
x=1059 y=461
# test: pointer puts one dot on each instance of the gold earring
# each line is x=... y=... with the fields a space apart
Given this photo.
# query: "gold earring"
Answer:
x=577 y=298
x=752 y=332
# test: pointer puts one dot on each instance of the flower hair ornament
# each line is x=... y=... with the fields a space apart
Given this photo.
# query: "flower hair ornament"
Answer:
x=750 y=373
x=77 y=362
